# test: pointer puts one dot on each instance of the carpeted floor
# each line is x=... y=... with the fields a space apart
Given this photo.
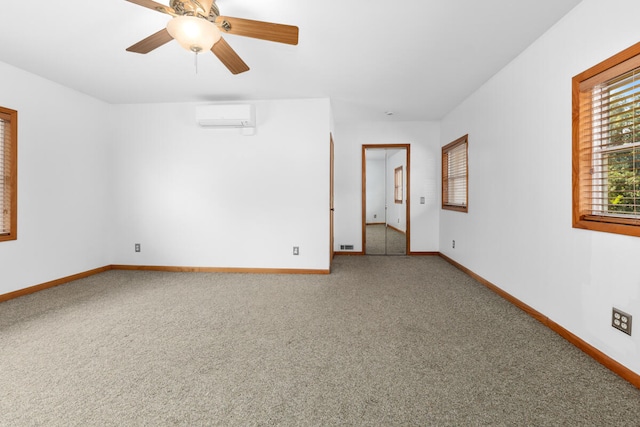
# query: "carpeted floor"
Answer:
x=382 y=240
x=382 y=341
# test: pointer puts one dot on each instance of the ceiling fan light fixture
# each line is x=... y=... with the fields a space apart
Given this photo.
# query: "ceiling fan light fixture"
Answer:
x=193 y=33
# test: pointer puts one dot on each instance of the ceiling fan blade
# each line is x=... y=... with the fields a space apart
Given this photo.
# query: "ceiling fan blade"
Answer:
x=154 y=6
x=259 y=30
x=229 y=57
x=152 y=42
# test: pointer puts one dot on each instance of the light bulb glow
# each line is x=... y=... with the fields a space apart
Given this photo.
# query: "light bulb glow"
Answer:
x=194 y=34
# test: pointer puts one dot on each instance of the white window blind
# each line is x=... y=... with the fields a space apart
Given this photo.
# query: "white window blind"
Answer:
x=7 y=168
x=610 y=135
x=398 y=184
x=4 y=215
x=454 y=174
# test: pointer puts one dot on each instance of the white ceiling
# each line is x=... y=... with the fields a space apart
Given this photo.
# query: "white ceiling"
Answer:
x=417 y=58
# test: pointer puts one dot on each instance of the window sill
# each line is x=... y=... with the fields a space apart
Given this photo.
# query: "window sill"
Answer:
x=464 y=209
x=596 y=223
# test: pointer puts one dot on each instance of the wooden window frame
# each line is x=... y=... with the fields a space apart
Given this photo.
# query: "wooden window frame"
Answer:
x=9 y=152
x=446 y=204
x=398 y=179
x=582 y=152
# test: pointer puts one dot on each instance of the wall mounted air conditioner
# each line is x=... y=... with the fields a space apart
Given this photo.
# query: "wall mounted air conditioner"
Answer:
x=226 y=116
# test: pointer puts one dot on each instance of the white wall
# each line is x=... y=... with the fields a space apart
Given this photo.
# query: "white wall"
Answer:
x=63 y=168
x=424 y=138
x=518 y=232
x=214 y=198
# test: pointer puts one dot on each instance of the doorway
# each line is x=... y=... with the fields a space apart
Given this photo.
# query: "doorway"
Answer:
x=385 y=199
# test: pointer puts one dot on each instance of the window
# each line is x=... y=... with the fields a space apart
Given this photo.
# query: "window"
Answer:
x=606 y=145
x=455 y=175
x=8 y=173
x=398 y=187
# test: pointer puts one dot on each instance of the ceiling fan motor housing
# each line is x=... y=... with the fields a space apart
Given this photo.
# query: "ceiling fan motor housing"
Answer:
x=195 y=8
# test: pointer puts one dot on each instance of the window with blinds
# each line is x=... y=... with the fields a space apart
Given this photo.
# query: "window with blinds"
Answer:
x=606 y=145
x=8 y=174
x=455 y=176
x=398 y=190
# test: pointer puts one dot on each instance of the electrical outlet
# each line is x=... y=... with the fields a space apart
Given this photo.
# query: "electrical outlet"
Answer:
x=296 y=250
x=621 y=321
x=137 y=247
x=453 y=244
x=375 y=216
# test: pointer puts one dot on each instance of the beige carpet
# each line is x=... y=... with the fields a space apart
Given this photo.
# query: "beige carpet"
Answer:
x=383 y=240
x=382 y=341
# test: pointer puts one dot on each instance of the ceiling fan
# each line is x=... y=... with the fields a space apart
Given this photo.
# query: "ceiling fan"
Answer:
x=198 y=26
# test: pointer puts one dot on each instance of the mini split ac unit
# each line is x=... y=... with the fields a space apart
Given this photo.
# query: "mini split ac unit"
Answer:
x=226 y=116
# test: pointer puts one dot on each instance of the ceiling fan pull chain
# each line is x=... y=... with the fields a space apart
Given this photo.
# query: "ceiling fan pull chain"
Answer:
x=195 y=61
